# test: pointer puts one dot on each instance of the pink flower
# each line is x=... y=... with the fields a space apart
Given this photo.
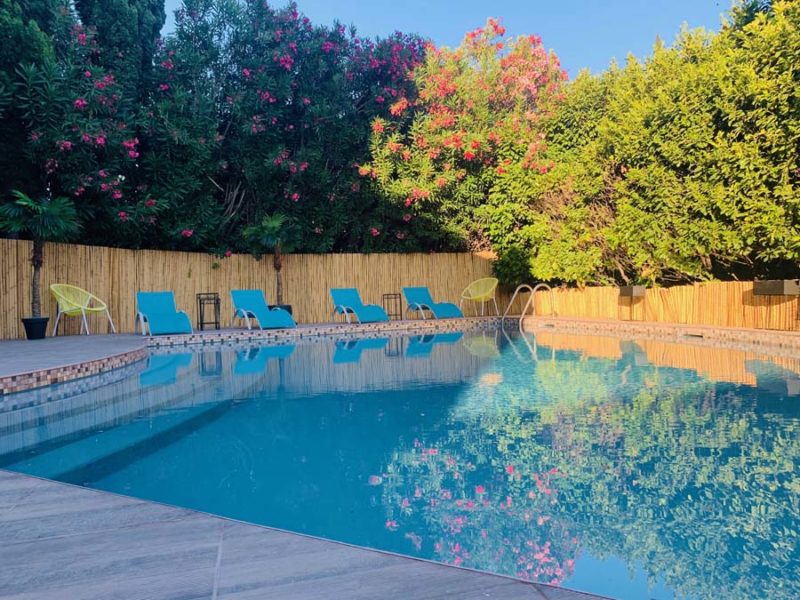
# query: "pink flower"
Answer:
x=117 y=195
x=35 y=135
x=306 y=101
x=400 y=235
x=123 y=216
x=80 y=103
x=100 y=140
x=65 y=146
x=375 y=480
x=87 y=74
x=374 y=232
x=246 y=73
x=293 y=168
x=405 y=503
x=391 y=525
x=133 y=154
x=295 y=197
x=479 y=489
x=187 y=233
x=228 y=253
x=103 y=173
x=167 y=64
x=150 y=202
x=379 y=99
x=82 y=39
x=510 y=469
x=303 y=166
x=163 y=87
x=407 y=217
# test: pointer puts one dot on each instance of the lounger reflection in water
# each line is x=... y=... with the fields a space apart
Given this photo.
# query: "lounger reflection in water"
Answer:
x=421 y=346
x=254 y=360
x=162 y=369
x=349 y=351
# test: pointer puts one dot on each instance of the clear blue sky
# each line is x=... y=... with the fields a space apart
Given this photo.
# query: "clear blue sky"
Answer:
x=584 y=33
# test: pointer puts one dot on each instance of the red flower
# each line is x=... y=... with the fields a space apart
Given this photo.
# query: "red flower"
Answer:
x=469 y=155
x=150 y=202
x=374 y=232
x=228 y=253
x=80 y=103
x=295 y=197
x=377 y=127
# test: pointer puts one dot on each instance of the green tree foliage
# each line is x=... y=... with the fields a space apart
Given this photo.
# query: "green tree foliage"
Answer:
x=680 y=168
x=124 y=34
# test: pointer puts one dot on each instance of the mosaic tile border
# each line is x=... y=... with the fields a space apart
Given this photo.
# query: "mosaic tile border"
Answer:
x=340 y=330
x=12 y=384
x=761 y=341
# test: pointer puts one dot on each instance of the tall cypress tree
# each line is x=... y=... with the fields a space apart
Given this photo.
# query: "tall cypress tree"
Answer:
x=126 y=36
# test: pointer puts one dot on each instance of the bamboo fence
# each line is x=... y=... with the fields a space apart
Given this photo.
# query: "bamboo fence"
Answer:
x=116 y=274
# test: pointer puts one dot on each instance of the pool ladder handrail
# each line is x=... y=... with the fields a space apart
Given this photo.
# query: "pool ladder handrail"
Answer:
x=529 y=303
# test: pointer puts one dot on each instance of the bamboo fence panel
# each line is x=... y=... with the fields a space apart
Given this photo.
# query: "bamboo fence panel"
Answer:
x=116 y=274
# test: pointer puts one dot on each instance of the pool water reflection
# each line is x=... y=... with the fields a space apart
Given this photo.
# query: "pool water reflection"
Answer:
x=587 y=462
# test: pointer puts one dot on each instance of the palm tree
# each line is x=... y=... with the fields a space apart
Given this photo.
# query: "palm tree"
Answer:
x=45 y=220
x=272 y=234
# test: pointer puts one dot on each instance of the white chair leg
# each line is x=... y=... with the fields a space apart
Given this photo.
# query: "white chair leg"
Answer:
x=55 y=326
x=496 y=310
x=85 y=324
x=111 y=322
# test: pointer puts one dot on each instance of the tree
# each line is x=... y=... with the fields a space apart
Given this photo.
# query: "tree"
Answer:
x=46 y=219
x=275 y=234
x=125 y=35
x=474 y=130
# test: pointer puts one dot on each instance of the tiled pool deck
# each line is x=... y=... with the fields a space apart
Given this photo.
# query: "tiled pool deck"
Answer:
x=63 y=542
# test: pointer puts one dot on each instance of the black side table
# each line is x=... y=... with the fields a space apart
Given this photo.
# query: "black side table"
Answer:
x=211 y=300
x=393 y=305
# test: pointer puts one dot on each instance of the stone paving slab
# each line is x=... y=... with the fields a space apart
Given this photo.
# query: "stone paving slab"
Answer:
x=59 y=541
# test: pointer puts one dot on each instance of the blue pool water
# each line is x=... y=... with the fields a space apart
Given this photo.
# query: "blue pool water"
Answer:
x=640 y=470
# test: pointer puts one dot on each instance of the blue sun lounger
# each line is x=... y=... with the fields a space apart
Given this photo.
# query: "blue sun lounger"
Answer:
x=421 y=346
x=162 y=369
x=419 y=299
x=347 y=301
x=157 y=312
x=349 y=351
x=251 y=304
x=254 y=361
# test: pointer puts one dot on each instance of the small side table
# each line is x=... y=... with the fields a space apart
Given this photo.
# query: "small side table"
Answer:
x=393 y=305
x=211 y=300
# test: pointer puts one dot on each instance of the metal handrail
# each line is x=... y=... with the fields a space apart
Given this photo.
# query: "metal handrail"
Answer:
x=529 y=303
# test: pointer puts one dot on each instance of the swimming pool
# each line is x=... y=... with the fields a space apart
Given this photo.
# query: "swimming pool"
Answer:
x=636 y=469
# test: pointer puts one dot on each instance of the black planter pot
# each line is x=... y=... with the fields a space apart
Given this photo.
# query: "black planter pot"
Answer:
x=286 y=307
x=35 y=327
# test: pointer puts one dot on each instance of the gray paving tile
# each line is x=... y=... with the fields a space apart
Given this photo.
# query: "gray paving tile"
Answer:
x=104 y=557
x=69 y=510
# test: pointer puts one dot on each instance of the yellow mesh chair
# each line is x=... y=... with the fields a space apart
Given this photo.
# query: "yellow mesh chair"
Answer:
x=481 y=290
x=74 y=302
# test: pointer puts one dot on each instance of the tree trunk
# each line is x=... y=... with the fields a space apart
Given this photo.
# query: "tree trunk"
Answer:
x=37 y=258
x=277 y=262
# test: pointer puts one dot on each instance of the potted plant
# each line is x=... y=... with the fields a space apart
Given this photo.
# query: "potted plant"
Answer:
x=274 y=233
x=43 y=220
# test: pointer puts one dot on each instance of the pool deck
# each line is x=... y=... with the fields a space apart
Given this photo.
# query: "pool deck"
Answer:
x=60 y=541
